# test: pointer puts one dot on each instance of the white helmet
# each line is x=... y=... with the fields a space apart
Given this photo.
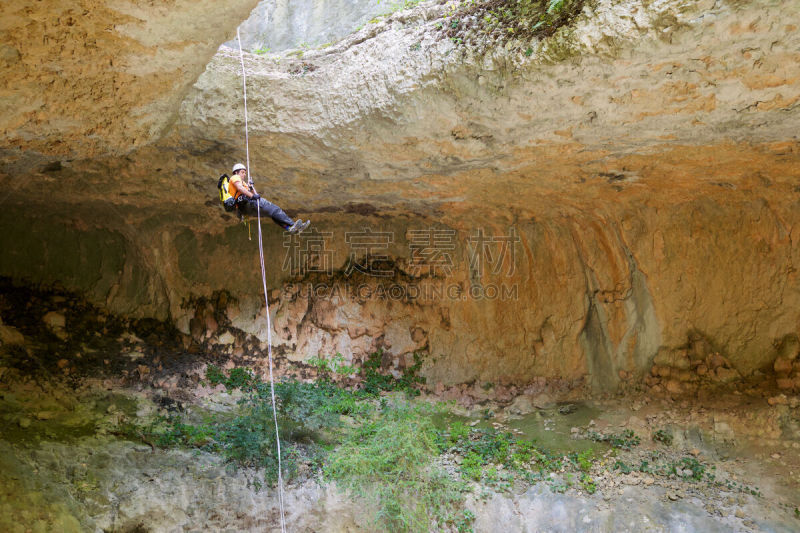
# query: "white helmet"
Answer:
x=238 y=166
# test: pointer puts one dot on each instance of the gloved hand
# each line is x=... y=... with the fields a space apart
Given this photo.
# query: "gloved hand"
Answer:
x=256 y=197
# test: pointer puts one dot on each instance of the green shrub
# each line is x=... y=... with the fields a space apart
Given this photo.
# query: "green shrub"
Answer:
x=457 y=432
x=464 y=522
x=583 y=460
x=623 y=467
x=389 y=461
x=588 y=483
x=237 y=378
x=214 y=375
x=471 y=466
x=309 y=415
x=334 y=365
x=625 y=440
x=376 y=382
x=663 y=436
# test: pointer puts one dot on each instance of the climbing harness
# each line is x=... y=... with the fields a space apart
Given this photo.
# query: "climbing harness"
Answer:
x=230 y=204
x=264 y=286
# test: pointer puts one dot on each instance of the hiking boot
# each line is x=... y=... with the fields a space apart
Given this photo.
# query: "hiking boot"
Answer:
x=295 y=228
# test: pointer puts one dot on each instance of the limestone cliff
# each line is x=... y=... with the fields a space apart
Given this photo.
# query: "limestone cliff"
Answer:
x=88 y=77
x=640 y=165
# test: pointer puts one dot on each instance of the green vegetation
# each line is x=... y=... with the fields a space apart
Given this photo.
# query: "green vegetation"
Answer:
x=399 y=5
x=499 y=458
x=238 y=378
x=309 y=418
x=588 y=484
x=394 y=7
x=334 y=365
x=502 y=20
x=388 y=451
x=625 y=440
x=622 y=467
x=686 y=469
x=583 y=460
x=464 y=522
x=374 y=381
x=389 y=462
x=309 y=415
x=663 y=436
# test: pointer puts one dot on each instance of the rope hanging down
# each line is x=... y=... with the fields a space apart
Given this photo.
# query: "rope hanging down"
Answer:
x=264 y=286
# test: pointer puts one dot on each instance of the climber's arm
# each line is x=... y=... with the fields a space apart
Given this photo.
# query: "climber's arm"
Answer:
x=242 y=188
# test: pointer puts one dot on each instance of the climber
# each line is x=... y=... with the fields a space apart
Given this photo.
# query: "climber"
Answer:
x=248 y=202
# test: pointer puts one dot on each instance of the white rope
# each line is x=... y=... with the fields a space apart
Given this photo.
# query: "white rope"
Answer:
x=244 y=91
x=264 y=286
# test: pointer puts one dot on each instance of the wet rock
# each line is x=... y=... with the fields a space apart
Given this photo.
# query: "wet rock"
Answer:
x=543 y=401
x=567 y=409
x=522 y=405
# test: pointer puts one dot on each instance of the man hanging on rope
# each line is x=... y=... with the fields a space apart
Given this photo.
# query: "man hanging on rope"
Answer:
x=248 y=201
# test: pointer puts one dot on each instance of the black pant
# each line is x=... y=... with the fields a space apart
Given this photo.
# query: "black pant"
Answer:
x=250 y=208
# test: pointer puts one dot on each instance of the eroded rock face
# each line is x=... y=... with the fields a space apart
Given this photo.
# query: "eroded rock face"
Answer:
x=84 y=78
x=203 y=493
x=642 y=165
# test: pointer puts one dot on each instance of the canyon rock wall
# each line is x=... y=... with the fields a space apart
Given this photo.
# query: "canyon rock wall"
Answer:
x=623 y=192
x=88 y=77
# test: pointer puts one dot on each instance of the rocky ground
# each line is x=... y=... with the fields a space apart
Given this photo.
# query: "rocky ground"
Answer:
x=75 y=380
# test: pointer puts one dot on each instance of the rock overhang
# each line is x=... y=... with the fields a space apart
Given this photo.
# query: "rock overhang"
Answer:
x=651 y=173
x=396 y=108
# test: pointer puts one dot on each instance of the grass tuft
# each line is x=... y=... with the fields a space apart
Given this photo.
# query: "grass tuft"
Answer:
x=389 y=462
